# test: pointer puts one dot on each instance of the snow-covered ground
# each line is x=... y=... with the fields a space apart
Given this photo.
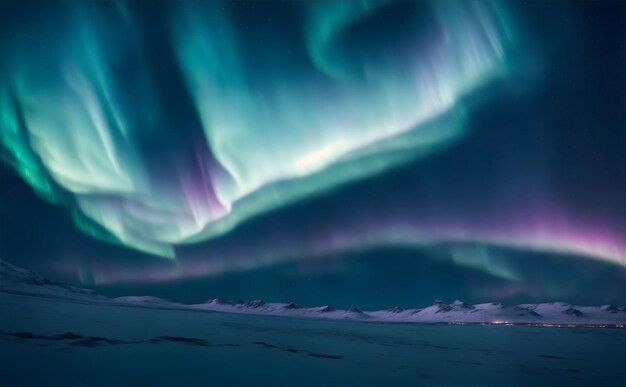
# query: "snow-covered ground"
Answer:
x=58 y=334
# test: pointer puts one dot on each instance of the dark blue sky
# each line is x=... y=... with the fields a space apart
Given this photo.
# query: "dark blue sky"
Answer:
x=528 y=204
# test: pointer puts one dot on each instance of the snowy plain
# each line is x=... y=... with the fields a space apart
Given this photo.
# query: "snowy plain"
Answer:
x=57 y=334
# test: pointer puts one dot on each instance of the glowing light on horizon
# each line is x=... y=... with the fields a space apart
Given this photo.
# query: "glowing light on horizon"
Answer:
x=468 y=242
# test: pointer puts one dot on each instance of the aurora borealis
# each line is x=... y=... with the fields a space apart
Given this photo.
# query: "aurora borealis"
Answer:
x=234 y=137
x=262 y=126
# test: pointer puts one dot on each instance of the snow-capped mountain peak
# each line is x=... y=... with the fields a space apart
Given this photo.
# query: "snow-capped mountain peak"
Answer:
x=15 y=280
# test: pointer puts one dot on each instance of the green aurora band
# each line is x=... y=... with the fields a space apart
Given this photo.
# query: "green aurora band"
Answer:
x=84 y=122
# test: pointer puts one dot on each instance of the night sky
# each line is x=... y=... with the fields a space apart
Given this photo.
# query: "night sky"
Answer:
x=366 y=153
